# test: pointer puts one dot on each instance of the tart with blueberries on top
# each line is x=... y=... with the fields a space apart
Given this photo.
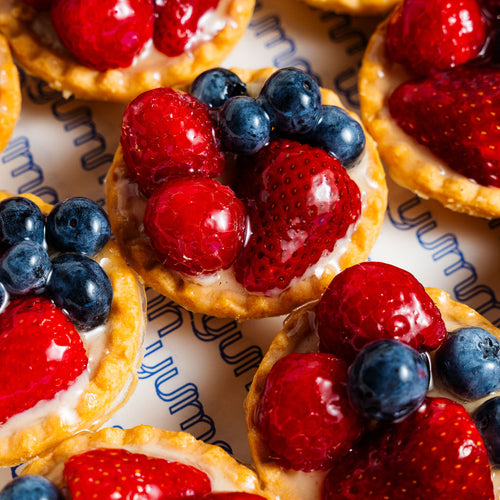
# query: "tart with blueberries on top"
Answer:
x=112 y=50
x=245 y=197
x=429 y=93
x=381 y=389
x=142 y=462
x=71 y=321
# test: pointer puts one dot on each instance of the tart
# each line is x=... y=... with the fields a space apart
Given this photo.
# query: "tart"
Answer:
x=219 y=294
x=354 y=7
x=113 y=353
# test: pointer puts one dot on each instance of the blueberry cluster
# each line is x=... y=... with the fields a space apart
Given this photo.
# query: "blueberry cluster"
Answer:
x=289 y=104
x=53 y=256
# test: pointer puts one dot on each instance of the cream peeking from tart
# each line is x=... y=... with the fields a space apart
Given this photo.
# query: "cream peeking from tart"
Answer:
x=429 y=95
x=116 y=49
x=72 y=322
x=221 y=210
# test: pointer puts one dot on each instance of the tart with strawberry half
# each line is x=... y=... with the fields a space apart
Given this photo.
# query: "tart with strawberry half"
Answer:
x=244 y=197
x=382 y=388
x=116 y=49
x=429 y=94
x=72 y=321
x=141 y=462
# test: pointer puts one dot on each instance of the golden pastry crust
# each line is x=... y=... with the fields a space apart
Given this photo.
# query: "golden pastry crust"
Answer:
x=44 y=59
x=226 y=473
x=298 y=335
x=10 y=94
x=126 y=206
x=409 y=163
x=113 y=379
x=354 y=7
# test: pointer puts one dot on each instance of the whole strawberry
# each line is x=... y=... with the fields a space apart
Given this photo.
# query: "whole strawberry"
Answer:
x=167 y=133
x=434 y=35
x=109 y=474
x=455 y=114
x=300 y=201
x=375 y=300
x=41 y=354
x=103 y=34
x=435 y=453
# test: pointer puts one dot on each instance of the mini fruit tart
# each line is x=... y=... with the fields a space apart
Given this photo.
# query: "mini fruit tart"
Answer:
x=250 y=197
x=114 y=50
x=354 y=7
x=429 y=93
x=380 y=386
x=72 y=321
x=142 y=462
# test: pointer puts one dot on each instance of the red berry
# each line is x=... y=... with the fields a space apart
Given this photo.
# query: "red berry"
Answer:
x=196 y=225
x=455 y=114
x=436 y=452
x=167 y=133
x=304 y=416
x=41 y=354
x=434 y=35
x=300 y=201
x=108 y=474
x=103 y=34
x=374 y=300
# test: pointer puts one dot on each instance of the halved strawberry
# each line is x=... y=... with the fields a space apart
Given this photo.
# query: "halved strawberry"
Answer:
x=41 y=353
x=300 y=202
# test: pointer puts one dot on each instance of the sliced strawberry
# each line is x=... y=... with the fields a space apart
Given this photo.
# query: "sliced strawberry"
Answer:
x=455 y=114
x=433 y=35
x=41 y=354
x=435 y=453
x=300 y=202
x=109 y=474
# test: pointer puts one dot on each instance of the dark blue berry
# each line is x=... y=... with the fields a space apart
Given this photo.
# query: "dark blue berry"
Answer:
x=80 y=287
x=25 y=268
x=3 y=297
x=487 y=419
x=215 y=86
x=31 y=487
x=468 y=363
x=388 y=380
x=339 y=134
x=292 y=100
x=244 y=125
x=78 y=225
x=20 y=219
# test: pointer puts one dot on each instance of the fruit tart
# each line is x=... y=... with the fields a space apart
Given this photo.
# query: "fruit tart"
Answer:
x=141 y=462
x=114 y=50
x=380 y=386
x=250 y=197
x=354 y=7
x=72 y=322
x=429 y=96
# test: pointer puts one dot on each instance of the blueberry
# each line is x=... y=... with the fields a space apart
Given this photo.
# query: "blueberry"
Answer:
x=80 y=287
x=215 y=86
x=388 y=380
x=78 y=225
x=245 y=126
x=487 y=420
x=339 y=134
x=292 y=99
x=31 y=487
x=3 y=297
x=20 y=219
x=468 y=363
x=25 y=268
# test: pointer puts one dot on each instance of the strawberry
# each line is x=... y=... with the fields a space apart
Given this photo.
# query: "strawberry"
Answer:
x=434 y=35
x=103 y=34
x=177 y=22
x=41 y=354
x=108 y=474
x=436 y=452
x=454 y=114
x=375 y=300
x=304 y=415
x=167 y=133
x=300 y=202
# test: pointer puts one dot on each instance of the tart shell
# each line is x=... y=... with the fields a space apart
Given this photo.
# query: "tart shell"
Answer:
x=354 y=7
